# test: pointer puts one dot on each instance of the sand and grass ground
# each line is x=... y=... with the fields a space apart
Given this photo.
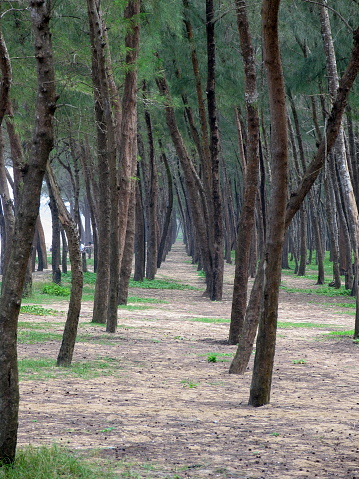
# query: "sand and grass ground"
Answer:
x=155 y=400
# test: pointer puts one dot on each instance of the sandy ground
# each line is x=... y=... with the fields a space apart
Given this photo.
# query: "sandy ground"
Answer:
x=166 y=412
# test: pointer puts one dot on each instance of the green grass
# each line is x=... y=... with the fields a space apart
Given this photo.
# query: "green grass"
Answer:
x=33 y=337
x=45 y=368
x=342 y=333
x=289 y=324
x=54 y=289
x=137 y=299
x=160 y=284
x=321 y=290
x=37 y=310
x=45 y=326
x=218 y=357
x=52 y=463
x=132 y=307
x=209 y=320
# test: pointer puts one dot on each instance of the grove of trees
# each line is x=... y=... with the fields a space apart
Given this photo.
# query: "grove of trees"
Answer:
x=234 y=123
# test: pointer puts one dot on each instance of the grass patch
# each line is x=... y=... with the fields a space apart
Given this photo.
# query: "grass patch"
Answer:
x=37 y=310
x=132 y=307
x=54 y=289
x=137 y=299
x=33 y=337
x=342 y=333
x=209 y=320
x=218 y=357
x=45 y=368
x=289 y=324
x=29 y=325
x=52 y=463
x=160 y=284
x=187 y=383
x=321 y=290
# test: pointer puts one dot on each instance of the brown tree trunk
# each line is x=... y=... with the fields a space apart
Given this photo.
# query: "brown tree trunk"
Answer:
x=152 y=202
x=126 y=263
x=251 y=179
x=102 y=105
x=55 y=244
x=64 y=357
x=139 y=246
x=216 y=230
x=128 y=144
x=265 y=349
x=167 y=221
x=25 y=223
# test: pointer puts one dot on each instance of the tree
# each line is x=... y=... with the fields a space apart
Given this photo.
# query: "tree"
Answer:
x=25 y=222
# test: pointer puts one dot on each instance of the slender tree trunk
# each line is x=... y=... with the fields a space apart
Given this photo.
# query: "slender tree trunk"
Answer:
x=55 y=245
x=127 y=141
x=103 y=199
x=140 y=248
x=167 y=221
x=25 y=223
x=251 y=180
x=64 y=357
x=265 y=349
x=126 y=264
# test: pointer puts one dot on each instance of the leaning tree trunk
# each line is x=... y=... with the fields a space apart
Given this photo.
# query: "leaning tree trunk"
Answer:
x=69 y=337
x=340 y=153
x=25 y=222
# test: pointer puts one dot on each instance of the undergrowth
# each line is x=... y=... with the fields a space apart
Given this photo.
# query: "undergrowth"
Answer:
x=52 y=463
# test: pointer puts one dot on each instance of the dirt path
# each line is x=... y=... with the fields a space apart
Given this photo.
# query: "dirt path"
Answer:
x=170 y=413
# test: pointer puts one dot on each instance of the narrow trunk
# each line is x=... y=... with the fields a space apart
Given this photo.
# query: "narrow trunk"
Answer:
x=64 y=357
x=25 y=222
x=251 y=179
x=265 y=349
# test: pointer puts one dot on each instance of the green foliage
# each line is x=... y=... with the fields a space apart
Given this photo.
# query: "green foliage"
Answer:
x=51 y=463
x=54 y=289
x=37 y=310
x=212 y=358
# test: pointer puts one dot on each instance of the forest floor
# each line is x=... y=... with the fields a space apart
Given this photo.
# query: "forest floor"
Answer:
x=148 y=401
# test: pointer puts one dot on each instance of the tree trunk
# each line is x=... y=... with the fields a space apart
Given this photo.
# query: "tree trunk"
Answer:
x=167 y=221
x=55 y=245
x=64 y=357
x=127 y=140
x=140 y=248
x=251 y=179
x=126 y=264
x=25 y=223
x=265 y=349
x=103 y=199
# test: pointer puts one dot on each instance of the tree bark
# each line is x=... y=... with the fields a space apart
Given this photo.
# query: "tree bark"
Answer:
x=251 y=178
x=102 y=105
x=265 y=349
x=25 y=223
x=64 y=357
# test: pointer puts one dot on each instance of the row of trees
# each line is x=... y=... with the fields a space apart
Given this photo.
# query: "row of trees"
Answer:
x=204 y=123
